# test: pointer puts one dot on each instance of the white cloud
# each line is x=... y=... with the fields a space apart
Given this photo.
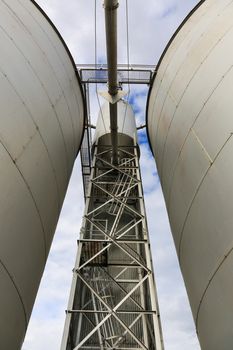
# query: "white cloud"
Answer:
x=151 y=23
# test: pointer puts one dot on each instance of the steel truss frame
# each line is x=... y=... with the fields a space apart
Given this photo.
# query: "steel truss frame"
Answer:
x=113 y=301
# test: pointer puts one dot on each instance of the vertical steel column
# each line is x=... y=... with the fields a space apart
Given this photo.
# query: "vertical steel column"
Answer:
x=66 y=339
x=152 y=286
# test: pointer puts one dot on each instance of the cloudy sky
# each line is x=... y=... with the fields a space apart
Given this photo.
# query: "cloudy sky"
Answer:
x=151 y=24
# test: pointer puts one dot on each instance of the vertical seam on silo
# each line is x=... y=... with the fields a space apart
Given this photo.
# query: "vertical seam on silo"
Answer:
x=173 y=117
x=58 y=81
x=186 y=88
x=18 y=293
x=192 y=126
x=194 y=197
x=209 y=283
x=202 y=146
x=31 y=194
x=39 y=132
x=182 y=233
x=177 y=105
x=161 y=79
x=64 y=67
x=160 y=115
x=46 y=93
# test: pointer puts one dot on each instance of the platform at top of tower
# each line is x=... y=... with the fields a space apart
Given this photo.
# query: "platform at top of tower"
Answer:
x=133 y=74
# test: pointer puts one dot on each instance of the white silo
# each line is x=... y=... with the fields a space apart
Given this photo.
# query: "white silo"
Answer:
x=41 y=126
x=190 y=126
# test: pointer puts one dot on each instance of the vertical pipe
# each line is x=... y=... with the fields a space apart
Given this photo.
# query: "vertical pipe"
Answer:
x=114 y=134
x=110 y=7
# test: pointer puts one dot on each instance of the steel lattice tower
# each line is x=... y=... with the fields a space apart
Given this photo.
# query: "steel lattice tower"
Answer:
x=113 y=301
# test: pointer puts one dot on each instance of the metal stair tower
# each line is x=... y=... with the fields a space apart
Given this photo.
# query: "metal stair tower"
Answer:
x=113 y=301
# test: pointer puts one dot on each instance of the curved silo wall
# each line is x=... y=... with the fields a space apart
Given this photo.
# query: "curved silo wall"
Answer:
x=190 y=126
x=41 y=126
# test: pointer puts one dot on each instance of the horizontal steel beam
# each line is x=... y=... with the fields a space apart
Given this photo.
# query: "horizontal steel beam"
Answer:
x=136 y=241
x=137 y=312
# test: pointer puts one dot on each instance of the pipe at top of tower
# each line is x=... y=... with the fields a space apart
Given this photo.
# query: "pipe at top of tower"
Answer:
x=110 y=7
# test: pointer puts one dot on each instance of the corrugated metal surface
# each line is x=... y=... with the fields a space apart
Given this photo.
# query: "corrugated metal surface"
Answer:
x=190 y=127
x=41 y=126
